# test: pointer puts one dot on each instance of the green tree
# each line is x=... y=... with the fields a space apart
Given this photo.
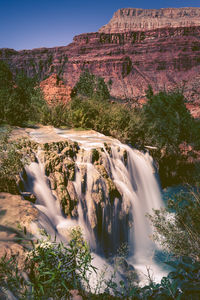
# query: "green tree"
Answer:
x=168 y=122
x=22 y=100
x=18 y=108
x=6 y=86
x=101 y=90
x=10 y=163
x=90 y=85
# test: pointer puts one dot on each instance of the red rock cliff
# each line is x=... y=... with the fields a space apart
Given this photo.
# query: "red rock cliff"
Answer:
x=163 y=57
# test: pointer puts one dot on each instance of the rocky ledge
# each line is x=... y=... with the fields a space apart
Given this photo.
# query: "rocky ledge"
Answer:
x=17 y=217
x=137 y=19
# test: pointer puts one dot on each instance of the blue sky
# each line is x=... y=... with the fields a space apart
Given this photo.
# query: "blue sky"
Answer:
x=27 y=24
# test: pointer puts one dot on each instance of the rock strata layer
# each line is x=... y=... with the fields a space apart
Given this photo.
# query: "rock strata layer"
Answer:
x=137 y=19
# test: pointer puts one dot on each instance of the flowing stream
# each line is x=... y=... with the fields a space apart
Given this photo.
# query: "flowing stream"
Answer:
x=106 y=226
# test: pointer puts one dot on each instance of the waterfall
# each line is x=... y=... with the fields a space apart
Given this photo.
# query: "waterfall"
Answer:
x=112 y=207
x=51 y=218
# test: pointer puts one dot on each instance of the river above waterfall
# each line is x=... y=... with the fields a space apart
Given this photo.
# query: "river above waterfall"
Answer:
x=115 y=191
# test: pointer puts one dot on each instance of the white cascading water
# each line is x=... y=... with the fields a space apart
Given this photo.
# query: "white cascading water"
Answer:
x=134 y=178
x=51 y=218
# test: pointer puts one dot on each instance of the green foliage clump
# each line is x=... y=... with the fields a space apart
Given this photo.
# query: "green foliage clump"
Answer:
x=95 y=155
x=21 y=100
x=90 y=85
x=182 y=283
x=10 y=163
x=57 y=115
x=168 y=125
x=6 y=84
x=169 y=122
x=105 y=117
x=54 y=270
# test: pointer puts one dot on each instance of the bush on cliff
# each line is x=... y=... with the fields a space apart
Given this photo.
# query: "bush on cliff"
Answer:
x=25 y=102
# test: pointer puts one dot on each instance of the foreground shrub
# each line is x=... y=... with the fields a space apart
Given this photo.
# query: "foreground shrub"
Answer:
x=52 y=270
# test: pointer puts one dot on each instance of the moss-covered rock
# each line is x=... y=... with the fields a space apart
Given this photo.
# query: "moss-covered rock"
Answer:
x=52 y=181
x=125 y=157
x=102 y=170
x=108 y=148
x=68 y=199
x=8 y=184
x=60 y=178
x=95 y=155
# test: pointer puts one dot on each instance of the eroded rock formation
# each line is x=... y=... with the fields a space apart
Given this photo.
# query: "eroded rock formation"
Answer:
x=137 y=19
x=55 y=91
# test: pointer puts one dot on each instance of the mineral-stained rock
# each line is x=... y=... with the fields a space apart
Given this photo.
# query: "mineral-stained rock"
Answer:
x=164 y=52
x=72 y=192
x=64 y=199
x=60 y=178
x=60 y=170
x=52 y=180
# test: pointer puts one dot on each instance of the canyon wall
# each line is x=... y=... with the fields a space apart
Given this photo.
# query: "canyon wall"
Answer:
x=130 y=60
x=131 y=19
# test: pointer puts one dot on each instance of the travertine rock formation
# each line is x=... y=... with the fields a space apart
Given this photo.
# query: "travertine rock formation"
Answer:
x=16 y=213
x=137 y=19
x=163 y=57
x=55 y=90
